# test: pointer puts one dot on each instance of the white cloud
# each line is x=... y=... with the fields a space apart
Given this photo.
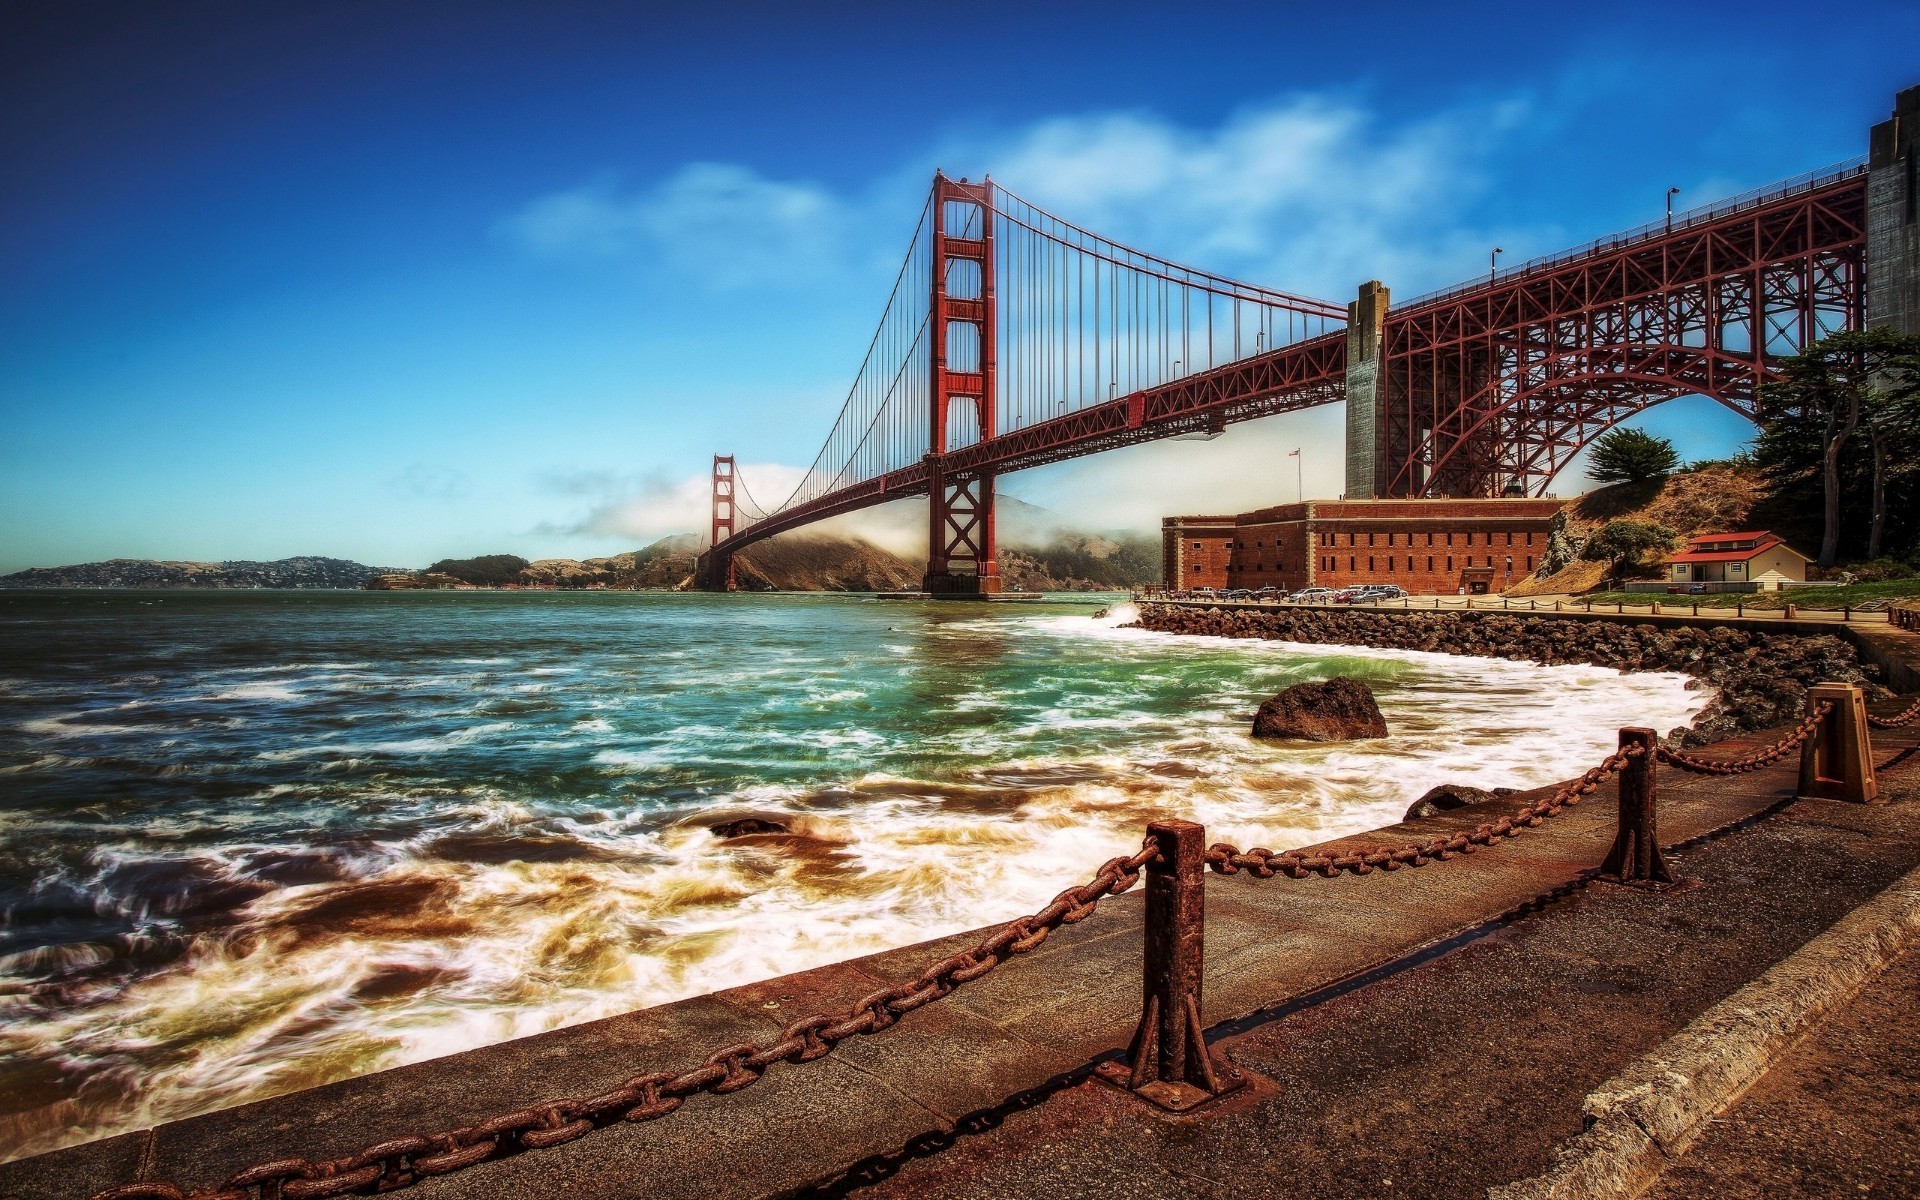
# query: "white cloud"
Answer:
x=719 y=223
x=430 y=481
x=655 y=505
x=1312 y=194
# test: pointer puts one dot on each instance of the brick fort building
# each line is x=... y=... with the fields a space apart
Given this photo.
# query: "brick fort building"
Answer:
x=1430 y=546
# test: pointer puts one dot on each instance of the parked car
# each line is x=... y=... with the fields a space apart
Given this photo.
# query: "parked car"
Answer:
x=1388 y=591
x=1312 y=595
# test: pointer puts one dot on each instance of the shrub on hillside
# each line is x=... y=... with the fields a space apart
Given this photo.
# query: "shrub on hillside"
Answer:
x=1625 y=544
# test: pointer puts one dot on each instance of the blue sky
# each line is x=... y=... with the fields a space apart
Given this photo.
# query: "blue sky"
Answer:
x=396 y=280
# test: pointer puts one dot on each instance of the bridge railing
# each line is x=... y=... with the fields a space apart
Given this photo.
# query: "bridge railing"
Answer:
x=1704 y=214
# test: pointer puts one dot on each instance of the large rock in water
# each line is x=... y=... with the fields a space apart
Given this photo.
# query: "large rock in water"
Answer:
x=1450 y=796
x=1338 y=710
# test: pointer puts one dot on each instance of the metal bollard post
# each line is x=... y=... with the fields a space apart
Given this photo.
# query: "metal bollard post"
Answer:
x=1635 y=857
x=1168 y=1062
x=1836 y=763
x=1793 y=611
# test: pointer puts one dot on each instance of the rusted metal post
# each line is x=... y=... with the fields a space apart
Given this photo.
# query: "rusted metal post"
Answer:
x=1836 y=763
x=1635 y=857
x=1168 y=1062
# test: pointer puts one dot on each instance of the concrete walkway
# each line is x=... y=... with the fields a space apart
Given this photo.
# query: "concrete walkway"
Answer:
x=1440 y=1078
x=1837 y=1118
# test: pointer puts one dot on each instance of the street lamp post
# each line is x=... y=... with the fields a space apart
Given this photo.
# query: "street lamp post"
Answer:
x=1671 y=193
x=1493 y=263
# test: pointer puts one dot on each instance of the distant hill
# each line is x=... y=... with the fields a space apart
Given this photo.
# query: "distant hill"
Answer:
x=302 y=572
x=1058 y=561
x=667 y=563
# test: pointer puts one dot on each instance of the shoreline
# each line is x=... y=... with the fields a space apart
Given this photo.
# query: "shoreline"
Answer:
x=1760 y=679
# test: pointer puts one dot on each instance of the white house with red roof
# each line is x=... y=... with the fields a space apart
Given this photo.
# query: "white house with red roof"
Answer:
x=1759 y=558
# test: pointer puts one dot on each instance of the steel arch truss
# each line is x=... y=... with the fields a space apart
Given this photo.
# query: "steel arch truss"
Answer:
x=1498 y=389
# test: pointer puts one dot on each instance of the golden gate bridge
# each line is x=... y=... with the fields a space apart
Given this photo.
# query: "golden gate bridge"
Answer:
x=1014 y=338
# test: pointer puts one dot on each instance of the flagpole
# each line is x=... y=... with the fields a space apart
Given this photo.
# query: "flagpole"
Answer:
x=1299 y=474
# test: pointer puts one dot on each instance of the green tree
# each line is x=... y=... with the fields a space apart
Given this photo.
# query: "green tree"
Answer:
x=1624 y=543
x=1857 y=382
x=488 y=570
x=1631 y=456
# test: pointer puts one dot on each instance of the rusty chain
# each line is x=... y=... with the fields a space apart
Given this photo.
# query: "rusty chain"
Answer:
x=1764 y=757
x=1263 y=863
x=403 y=1161
x=1905 y=716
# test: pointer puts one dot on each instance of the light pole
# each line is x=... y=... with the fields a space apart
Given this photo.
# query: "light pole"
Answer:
x=1671 y=193
x=1493 y=263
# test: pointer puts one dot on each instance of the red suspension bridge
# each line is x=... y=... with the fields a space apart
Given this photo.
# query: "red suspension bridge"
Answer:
x=1014 y=338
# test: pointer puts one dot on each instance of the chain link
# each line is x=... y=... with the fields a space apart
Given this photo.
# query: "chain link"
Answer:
x=1764 y=757
x=403 y=1161
x=1263 y=863
x=1905 y=716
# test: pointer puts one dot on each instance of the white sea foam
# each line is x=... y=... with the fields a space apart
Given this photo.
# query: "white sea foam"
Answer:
x=420 y=943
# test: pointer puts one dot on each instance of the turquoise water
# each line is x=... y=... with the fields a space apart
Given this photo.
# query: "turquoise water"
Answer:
x=256 y=841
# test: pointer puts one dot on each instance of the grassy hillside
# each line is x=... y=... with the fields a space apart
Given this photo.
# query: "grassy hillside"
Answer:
x=1714 y=498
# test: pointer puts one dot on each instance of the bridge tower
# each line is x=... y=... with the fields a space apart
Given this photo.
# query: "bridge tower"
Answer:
x=718 y=570
x=1893 y=217
x=961 y=554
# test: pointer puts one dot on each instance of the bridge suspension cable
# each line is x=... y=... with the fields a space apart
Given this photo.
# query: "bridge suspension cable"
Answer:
x=1079 y=320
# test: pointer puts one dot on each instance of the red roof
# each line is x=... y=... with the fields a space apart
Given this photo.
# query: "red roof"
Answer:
x=1732 y=537
x=1762 y=540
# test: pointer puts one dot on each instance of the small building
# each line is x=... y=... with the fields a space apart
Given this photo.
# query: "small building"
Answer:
x=1758 y=559
x=1425 y=546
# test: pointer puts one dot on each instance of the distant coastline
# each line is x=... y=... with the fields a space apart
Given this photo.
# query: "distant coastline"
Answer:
x=1066 y=562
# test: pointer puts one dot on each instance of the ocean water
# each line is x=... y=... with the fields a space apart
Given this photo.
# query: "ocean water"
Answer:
x=252 y=842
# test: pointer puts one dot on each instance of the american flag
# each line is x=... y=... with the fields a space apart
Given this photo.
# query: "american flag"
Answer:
x=1293 y=454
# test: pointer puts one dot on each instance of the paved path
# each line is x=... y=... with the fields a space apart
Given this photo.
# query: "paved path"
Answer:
x=1836 y=1119
x=1424 y=1076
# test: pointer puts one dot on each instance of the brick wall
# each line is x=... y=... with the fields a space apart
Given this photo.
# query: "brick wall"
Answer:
x=1425 y=546
x=1195 y=551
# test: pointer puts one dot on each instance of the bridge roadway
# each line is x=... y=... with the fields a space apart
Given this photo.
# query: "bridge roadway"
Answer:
x=1035 y=1027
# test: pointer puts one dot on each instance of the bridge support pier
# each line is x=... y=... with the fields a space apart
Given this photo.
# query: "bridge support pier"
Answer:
x=1366 y=393
x=962 y=560
x=1893 y=218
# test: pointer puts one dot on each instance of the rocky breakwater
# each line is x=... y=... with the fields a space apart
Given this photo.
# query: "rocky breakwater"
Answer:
x=1761 y=679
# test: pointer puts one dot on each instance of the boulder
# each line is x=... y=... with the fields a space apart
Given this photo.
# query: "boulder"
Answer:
x=1339 y=710
x=746 y=826
x=1450 y=796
